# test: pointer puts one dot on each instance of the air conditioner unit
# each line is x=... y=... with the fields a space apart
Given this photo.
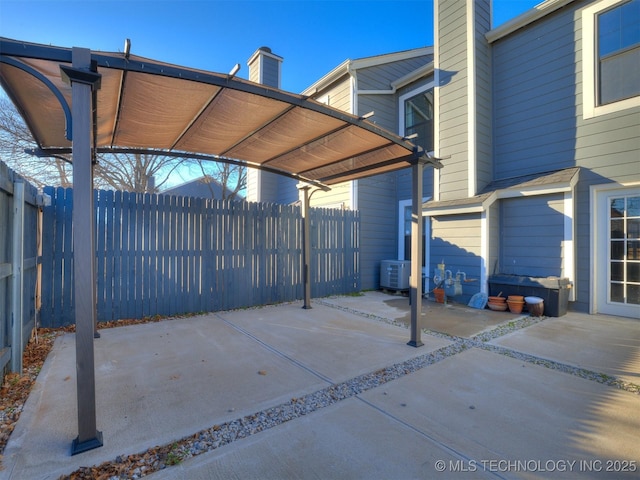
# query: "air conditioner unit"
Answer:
x=394 y=274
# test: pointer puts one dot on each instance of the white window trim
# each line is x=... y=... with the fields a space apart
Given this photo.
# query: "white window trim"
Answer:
x=598 y=270
x=589 y=65
x=408 y=95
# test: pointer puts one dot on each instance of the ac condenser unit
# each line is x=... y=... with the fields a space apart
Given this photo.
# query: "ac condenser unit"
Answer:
x=394 y=274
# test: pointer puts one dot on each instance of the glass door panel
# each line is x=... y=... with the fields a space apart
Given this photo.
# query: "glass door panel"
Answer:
x=624 y=250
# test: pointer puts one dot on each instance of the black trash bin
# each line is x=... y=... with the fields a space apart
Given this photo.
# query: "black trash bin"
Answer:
x=553 y=290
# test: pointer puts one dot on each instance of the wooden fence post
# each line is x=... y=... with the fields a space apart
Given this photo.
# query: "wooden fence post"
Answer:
x=16 y=277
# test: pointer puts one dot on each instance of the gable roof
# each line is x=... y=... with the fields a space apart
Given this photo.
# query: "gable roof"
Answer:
x=349 y=65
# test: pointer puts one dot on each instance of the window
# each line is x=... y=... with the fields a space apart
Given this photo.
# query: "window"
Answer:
x=417 y=117
x=611 y=55
x=619 y=52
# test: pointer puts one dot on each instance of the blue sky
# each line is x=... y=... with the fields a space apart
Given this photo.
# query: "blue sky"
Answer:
x=312 y=36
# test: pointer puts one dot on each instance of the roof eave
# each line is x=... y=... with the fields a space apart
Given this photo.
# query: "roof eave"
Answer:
x=334 y=75
x=539 y=11
x=349 y=66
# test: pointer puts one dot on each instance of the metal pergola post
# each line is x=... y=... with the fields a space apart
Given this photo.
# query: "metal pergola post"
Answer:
x=83 y=82
x=417 y=229
x=306 y=245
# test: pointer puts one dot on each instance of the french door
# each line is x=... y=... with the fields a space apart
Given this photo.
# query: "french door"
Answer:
x=617 y=252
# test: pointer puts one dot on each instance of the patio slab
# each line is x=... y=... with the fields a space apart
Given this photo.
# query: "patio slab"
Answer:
x=601 y=343
x=453 y=318
x=461 y=413
x=327 y=444
x=159 y=382
x=476 y=414
x=492 y=407
x=332 y=343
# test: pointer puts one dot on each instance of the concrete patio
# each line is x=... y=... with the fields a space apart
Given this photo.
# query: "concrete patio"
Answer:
x=536 y=401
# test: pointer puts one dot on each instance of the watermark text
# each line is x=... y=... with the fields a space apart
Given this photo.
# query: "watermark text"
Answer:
x=514 y=466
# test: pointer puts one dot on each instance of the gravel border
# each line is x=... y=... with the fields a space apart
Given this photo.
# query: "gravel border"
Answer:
x=158 y=458
x=479 y=341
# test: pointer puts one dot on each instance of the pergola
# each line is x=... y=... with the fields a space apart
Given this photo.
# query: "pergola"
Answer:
x=78 y=101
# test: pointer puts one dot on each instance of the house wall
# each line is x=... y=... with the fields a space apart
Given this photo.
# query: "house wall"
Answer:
x=538 y=118
x=483 y=128
x=493 y=239
x=337 y=95
x=539 y=123
x=456 y=241
x=464 y=97
x=286 y=190
x=532 y=233
x=452 y=97
x=535 y=90
x=380 y=77
x=378 y=196
x=378 y=208
x=338 y=197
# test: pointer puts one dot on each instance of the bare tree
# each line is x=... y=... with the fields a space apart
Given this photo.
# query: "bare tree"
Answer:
x=15 y=138
x=231 y=178
x=136 y=172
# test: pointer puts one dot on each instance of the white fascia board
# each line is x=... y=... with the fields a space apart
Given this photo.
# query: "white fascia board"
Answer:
x=502 y=194
x=533 y=192
x=541 y=10
x=434 y=212
x=328 y=79
x=413 y=76
x=560 y=187
x=391 y=57
x=402 y=81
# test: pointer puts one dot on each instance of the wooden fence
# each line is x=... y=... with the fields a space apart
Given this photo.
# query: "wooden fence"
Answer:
x=19 y=217
x=168 y=255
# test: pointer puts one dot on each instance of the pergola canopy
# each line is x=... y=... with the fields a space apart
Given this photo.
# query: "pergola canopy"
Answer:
x=123 y=103
x=143 y=105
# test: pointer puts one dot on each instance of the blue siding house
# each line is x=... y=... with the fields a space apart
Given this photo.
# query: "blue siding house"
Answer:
x=537 y=124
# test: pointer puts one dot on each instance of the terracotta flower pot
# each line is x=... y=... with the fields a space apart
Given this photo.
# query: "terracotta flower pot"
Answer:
x=515 y=306
x=497 y=307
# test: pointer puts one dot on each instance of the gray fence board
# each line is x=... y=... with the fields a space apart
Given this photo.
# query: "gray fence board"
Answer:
x=168 y=255
x=27 y=291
